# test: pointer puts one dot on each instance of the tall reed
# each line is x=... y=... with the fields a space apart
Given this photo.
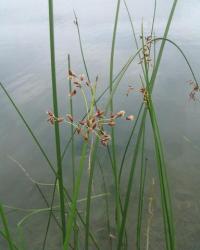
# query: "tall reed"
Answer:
x=68 y=203
x=55 y=108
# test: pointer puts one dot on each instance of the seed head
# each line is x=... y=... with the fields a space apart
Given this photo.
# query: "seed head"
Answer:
x=120 y=113
x=73 y=93
x=69 y=117
x=130 y=118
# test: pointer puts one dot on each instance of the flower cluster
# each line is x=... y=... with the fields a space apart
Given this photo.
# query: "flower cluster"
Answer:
x=92 y=124
x=194 y=91
x=78 y=81
x=52 y=119
x=95 y=119
x=145 y=94
x=146 y=50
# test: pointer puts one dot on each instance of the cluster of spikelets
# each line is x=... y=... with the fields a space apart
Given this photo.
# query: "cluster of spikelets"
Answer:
x=194 y=91
x=95 y=121
x=146 y=51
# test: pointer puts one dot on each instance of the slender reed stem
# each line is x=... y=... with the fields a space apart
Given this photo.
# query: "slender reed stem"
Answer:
x=141 y=192
x=81 y=46
x=72 y=153
x=105 y=190
x=115 y=171
x=73 y=207
x=50 y=215
x=55 y=108
x=93 y=155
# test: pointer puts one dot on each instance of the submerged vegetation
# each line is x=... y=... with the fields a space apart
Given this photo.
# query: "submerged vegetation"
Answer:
x=97 y=128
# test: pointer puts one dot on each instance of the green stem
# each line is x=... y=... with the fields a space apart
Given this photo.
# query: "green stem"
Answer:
x=117 y=194
x=73 y=207
x=55 y=108
x=93 y=154
x=141 y=192
x=72 y=154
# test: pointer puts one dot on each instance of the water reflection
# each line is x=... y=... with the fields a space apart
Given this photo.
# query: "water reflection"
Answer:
x=25 y=70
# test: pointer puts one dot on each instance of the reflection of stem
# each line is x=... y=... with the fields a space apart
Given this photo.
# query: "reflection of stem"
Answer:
x=34 y=211
x=150 y=211
x=27 y=174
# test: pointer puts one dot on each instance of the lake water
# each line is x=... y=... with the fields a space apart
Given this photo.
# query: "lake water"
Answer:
x=25 y=72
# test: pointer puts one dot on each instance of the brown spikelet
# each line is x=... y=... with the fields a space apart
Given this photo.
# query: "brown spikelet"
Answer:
x=73 y=93
x=60 y=119
x=51 y=117
x=82 y=77
x=77 y=84
x=130 y=118
x=85 y=136
x=69 y=117
x=78 y=130
x=72 y=74
x=99 y=113
x=82 y=122
x=111 y=123
x=120 y=113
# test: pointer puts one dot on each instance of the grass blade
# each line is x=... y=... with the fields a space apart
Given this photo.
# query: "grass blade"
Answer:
x=6 y=229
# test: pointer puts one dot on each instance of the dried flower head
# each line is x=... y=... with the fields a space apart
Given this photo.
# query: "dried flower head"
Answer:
x=145 y=94
x=60 y=119
x=99 y=113
x=194 y=91
x=130 y=118
x=78 y=130
x=120 y=114
x=146 y=50
x=82 y=77
x=51 y=117
x=73 y=93
x=111 y=123
x=69 y=117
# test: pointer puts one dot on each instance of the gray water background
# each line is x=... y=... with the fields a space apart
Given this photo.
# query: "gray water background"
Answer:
x=25 y=72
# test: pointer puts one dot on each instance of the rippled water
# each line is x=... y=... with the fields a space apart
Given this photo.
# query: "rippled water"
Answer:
x=25 y=72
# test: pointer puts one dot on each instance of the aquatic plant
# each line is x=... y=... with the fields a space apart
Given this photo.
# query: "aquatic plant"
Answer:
x=97 y=127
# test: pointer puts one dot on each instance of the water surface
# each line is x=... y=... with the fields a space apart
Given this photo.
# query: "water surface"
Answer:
x=25 y=72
